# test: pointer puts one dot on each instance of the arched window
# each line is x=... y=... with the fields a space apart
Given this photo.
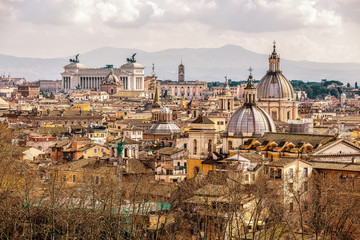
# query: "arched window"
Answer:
x=195 y=146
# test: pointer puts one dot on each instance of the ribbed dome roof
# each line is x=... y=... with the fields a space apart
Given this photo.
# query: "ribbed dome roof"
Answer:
x=111 y=78
x=275 y=85
x=249 y=120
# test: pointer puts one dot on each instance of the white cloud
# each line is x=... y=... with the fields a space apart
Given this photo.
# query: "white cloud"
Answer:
x=325 y=30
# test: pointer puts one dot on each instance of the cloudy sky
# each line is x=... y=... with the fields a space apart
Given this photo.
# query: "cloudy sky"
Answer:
x=315 y=30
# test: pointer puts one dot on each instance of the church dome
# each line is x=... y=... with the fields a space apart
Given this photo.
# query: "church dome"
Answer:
x=111 y=78
x=274 y=84
x=249 y=120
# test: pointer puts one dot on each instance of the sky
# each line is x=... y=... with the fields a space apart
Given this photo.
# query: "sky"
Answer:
x=313 y=30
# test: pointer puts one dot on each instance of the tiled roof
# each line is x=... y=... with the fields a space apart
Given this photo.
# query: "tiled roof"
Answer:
x=169 y=150
x=336 y=166
x=203 y=120
x=212 y=190
x=60 y=144
x=281 y=162
x=314 y=140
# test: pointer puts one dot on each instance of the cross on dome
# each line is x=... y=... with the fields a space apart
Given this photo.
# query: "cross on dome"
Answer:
x=274 y=46
x=250 y=70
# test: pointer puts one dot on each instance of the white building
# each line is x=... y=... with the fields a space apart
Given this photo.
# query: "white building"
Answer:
x=77 y=76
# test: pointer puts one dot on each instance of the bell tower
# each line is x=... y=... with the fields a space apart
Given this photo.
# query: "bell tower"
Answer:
x=250 y=95
x=226 y=99
x=181 y=73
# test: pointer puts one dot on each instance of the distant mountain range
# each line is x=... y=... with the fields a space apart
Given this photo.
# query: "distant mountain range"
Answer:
x=205 y=64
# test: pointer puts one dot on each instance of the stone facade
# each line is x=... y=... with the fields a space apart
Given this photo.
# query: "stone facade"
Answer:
x=29 y=90
x=78 y=76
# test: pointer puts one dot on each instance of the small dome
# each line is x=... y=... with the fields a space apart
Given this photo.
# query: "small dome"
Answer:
x=111 y=78
x=275 y=85
x=250 y=121
x=75 y=66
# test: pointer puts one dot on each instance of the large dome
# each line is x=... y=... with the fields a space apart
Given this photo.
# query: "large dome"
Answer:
x=249 y=121
x=274 y=85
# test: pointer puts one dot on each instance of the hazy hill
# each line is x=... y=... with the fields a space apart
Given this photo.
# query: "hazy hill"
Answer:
x=207 y=64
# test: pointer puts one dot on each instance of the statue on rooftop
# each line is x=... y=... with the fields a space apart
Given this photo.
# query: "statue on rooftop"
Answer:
x=132 y=59
x=76 y=60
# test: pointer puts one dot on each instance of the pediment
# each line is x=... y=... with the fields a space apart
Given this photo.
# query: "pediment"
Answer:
x=339 y=148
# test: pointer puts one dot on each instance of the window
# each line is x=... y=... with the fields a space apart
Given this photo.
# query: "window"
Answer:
x=83 y=179
x=74 y=178
x=64 y=177
x=85 y=152
x=185 y=145
x=195 y=146
x=95 y=150
x=278 y=174
x=306 y=172
x=291 y=173
x=102 y=150
x=230 y=145
x=102 y=180
x=291 y=207
x=97 y=180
